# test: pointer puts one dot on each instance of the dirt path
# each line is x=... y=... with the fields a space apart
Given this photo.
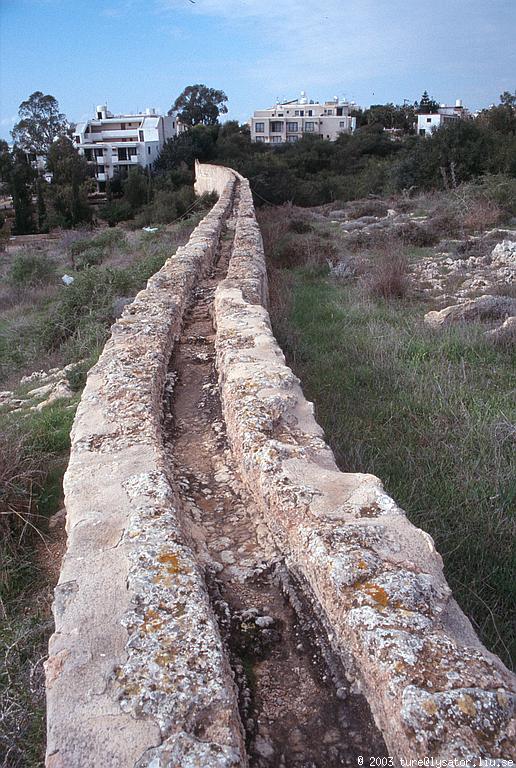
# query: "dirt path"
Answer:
x=297 y=708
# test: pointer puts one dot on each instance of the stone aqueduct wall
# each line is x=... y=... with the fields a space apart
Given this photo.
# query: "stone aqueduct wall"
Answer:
x=137 y=674
x=137 y=671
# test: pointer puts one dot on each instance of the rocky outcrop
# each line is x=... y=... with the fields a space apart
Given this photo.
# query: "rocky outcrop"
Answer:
x=481 y=308
x=377 y=580
x=137 y=675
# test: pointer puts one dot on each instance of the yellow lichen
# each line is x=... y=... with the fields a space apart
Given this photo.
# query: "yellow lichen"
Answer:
x=362 y=564
x=467 y=706
x=170 y=560
x=378 y=593
x=503 y=699
x=430 y=706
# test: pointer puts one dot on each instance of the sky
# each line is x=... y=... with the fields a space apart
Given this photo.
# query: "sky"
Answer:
x=133 y=54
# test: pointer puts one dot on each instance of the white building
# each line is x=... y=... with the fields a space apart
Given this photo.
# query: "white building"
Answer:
x=290 y=120
x=428 y=123
x=116 y=143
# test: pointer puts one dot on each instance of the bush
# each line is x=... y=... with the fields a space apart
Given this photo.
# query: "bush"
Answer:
x=76 y=376
x=300 y=226
x=360 y=208
x=388 y=275
x=31 y=269
x=116 y=211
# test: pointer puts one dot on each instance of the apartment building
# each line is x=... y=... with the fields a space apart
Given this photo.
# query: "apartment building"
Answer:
x=116 y=143
x=290 y=120
x=428 y=123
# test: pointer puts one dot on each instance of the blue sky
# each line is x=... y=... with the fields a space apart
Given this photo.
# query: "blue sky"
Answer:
x=140 y=53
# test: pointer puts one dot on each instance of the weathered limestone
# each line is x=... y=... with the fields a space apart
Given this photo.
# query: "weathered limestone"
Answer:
x=482 y=308
x=137 y=674
x=433 y=689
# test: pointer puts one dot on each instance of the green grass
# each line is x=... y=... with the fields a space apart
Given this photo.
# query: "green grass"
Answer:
x=430 y=414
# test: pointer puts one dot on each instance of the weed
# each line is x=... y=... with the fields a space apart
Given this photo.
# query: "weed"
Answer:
x=425 y=412
x=30 y=269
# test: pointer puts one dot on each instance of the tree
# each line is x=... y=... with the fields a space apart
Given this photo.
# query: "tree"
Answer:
x=200 y=105
x=22 y=177
x=68 y=190
x=6 y=164
x=427 y=106
x=40 y=123
x=501 y=118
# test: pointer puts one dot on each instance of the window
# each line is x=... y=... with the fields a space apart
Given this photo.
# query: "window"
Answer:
x=99 y=153
x=276 y=126
x=132 y=151
x=77 y=139
x=276 y=139
x=428 y=119
x=260 y=138
x=140 y=133
x=309 y=127
x=259 y=127
x=422 y=132
x=328 y=111
x=148 y=150
x=310 y=113
x=280 y=114
x=122 y=126
x=100 y=169
x=296 y=113
x=122 y=153
x=342 y=123
x=292 y=138
x=88 y=154
x=292 y=127
x=99 y=115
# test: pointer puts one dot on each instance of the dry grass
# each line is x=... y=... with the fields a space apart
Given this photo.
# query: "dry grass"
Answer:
x=387 y=276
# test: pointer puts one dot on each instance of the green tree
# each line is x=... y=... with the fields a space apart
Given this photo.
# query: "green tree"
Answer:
x=137 y=189
x=68 y=190
x=427 y=106
x=196 y=144
x=200 y=105
x=6 y=164
x=501 y=118
x=42 y=207
x=39 y=124
x=21 y=181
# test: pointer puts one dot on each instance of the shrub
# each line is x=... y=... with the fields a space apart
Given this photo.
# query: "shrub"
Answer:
x=76 y=376
x=416 y=234
x=300 y=226
x=360 y=208
x=388 y=275
x=30 y=269
x=116 y=211
x=92 y=256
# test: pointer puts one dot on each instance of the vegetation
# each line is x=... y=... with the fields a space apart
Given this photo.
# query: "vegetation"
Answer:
x=430 y=414
x=43 y=322
x=39 y=124
x=200 y=105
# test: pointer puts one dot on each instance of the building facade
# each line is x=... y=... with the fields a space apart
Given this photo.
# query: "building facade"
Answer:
x=116 y=143
x=289 y=121
x=428 y=123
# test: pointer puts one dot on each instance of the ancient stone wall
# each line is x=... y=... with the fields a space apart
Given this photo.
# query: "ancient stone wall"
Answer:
x=137 y=675
x=434 y=690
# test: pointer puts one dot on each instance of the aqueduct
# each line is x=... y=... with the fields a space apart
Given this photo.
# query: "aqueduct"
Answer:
x=215 y=550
